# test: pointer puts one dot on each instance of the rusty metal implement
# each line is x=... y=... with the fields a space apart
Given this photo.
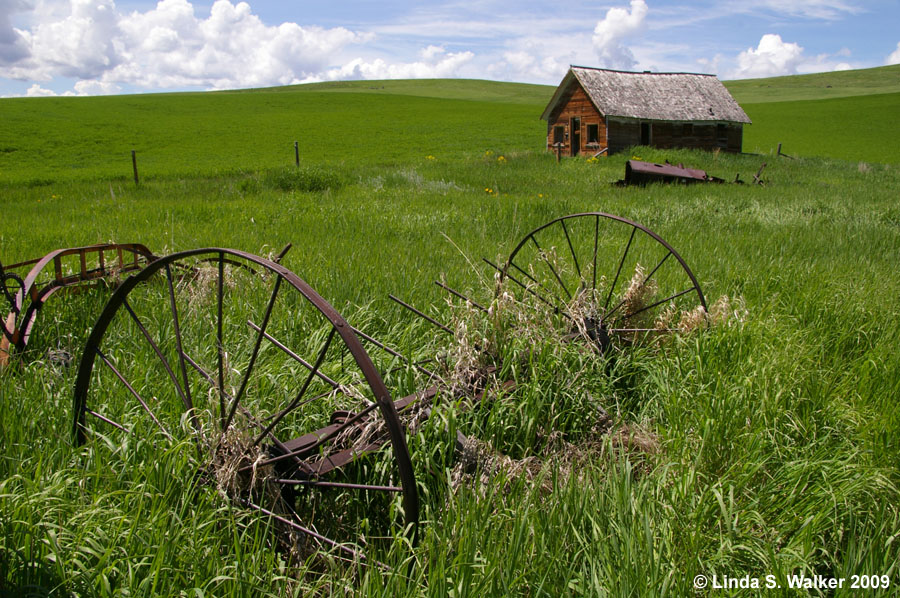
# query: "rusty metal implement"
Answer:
x=237 y=355
x=63 y=269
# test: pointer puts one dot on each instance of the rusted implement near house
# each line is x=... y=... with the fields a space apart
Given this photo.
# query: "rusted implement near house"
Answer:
x=641 y=173
x=601 y=111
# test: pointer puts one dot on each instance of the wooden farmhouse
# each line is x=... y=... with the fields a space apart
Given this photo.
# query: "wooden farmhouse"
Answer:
x=605 y=111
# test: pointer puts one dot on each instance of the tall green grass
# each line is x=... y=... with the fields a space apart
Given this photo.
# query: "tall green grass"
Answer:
x=775 y=438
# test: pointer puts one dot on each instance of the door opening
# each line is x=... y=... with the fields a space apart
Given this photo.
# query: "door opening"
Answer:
x=575 y=128
x=645 y=133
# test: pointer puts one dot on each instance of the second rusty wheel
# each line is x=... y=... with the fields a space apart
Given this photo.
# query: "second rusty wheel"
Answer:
x=605 y=275
x=237 y=355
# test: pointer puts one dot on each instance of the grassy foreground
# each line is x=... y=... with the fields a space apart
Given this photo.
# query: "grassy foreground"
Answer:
x=767 y=445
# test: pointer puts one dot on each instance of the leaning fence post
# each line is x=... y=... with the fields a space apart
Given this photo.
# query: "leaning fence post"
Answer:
x=134 y=166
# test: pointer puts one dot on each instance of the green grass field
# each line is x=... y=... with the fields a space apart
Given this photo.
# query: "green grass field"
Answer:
x=766 y=445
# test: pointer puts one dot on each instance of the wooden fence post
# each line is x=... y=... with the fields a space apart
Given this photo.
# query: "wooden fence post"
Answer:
x=134 y=166
x=296 y=153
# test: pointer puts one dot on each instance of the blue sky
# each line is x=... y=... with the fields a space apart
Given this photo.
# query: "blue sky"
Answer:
x=89 y=47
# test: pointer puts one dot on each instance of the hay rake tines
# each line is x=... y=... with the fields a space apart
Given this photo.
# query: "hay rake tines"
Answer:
x=27 y=292
x=243 y=358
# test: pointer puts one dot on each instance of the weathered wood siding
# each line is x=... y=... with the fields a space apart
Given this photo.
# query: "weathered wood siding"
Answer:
x=576 y=104
x=616 y=135
x=708 y=136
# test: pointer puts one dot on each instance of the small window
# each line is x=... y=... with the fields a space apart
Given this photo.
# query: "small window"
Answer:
x=721 y=132
x=593 y=133
x=559 y=134
x=687 y=130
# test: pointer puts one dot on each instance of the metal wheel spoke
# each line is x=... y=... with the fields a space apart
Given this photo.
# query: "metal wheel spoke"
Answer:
x=596 y=237
x=188 y=403
x=660 y=302
x=296 y=401
x=543 y=256
x=643 y=282
x=253 y=355
x=106 y=420
x=133 y=392
x=619 y=269
x=220 y=343
x=156 y=349
x=294 y=356
x=528 y=289
x=527 y=275
x=571 y=249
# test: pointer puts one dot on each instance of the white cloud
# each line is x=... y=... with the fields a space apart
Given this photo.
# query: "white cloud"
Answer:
x=613 y=29
x=36 y=91
x=169 y=46
x=828 y=10
x=772 y=57
x=96 y=88
x=894 y=57
x=435 y=62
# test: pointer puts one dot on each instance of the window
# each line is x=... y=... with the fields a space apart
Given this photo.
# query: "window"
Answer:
x=721 y=136
x=593 y=133
x=559 y=134
x=687 y=130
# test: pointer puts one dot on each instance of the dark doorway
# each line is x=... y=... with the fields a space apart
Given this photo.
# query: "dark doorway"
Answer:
x=645 y=133
x=575 y=128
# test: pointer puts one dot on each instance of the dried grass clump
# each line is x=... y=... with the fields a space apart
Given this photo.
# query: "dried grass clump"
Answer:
x=478 y=465
x=639 y=294
x=229 y=456
x=200 y=285
x=725 y=310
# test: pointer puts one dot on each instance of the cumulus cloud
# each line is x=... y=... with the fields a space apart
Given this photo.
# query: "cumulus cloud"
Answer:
x=36 y=91
x=611 y=31
x=772 y=57
x=894 y=57
x=435 y=62
x=168 y=46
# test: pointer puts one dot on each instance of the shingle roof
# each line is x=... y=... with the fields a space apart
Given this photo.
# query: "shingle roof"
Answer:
x=653 y=96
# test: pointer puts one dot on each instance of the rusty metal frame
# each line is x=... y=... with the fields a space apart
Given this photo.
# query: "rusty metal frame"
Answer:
x=31 y=291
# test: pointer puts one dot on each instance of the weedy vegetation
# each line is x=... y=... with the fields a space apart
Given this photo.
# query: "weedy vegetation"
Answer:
x=767 y=443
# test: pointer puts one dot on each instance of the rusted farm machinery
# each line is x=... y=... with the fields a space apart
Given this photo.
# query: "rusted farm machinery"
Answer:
x=236 y=354
x=26 y=292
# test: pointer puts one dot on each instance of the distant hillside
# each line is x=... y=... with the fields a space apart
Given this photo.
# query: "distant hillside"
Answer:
x=390 y=122
x=451 y=89
x=818 y=86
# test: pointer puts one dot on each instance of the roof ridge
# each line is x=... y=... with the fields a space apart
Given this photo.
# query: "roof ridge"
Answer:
x=595 y=68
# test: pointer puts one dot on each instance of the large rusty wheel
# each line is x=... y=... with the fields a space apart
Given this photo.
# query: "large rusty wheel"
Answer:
x=238 y=355
x=604 y=275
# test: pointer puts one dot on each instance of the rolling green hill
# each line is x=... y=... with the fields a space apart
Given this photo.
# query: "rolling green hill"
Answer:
x=848 y=115
x=817 y=86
